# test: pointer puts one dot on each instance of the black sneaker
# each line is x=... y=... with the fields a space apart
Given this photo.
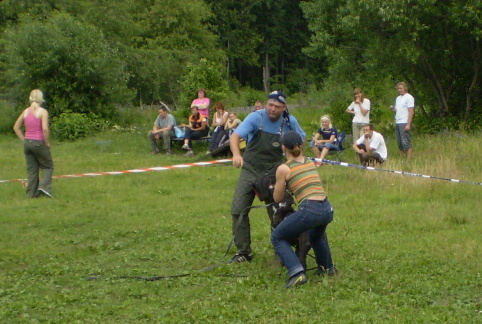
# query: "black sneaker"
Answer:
x=321 y=271
x=241 y=258
x=297 y=280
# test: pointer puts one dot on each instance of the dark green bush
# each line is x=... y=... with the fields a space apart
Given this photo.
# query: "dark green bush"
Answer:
x=72 y=126
x=9 y=116
x=69 y=60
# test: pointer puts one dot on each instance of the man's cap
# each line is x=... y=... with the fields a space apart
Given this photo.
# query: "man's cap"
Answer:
x=291 y=139
x=278 y=96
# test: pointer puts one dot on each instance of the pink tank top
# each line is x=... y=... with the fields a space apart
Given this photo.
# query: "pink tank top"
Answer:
x=33 y=126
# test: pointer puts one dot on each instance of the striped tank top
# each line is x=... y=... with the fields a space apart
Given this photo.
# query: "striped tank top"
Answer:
x=304 y=181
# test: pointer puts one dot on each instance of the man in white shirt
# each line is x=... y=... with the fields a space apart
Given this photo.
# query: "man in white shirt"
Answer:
x=370 y=147
x=404 y=110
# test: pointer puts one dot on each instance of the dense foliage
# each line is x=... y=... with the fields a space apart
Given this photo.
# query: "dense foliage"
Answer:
x=95 y=56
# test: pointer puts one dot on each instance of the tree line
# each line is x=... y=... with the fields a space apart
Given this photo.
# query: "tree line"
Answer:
x=94 y=56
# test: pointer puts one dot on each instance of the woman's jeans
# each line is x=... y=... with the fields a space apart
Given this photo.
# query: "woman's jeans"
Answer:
x=312 y=216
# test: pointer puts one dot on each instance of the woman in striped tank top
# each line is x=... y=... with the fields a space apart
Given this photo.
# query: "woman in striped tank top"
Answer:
x=300 y=176
x=36 y=146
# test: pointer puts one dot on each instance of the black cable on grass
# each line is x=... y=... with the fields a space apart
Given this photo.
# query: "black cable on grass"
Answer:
x=212 y=267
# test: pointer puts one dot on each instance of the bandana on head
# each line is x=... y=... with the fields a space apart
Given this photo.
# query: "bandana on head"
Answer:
x=278 y=96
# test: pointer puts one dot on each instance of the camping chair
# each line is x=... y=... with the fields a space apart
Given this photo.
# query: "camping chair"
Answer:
x=340 y=139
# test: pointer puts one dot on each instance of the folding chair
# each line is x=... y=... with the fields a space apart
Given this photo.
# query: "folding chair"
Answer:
x=340 y=139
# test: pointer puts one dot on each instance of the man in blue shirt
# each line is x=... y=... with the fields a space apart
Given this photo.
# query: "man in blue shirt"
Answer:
x=262 y=130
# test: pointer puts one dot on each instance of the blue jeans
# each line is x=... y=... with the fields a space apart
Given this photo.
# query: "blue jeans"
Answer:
x=312 y=216
x=329 y=146
x=194 y=135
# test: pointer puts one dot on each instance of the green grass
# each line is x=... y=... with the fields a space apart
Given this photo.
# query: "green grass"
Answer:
x=408 y=249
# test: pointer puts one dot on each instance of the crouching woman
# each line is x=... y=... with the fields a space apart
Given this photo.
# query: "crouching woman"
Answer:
x=300 y=176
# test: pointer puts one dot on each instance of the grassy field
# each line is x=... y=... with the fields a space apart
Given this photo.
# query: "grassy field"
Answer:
x=408 y=249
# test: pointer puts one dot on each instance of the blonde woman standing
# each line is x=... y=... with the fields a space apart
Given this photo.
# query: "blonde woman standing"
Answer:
x=36 y=146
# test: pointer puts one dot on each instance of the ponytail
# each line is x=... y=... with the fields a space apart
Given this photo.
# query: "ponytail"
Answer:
x=296 y=151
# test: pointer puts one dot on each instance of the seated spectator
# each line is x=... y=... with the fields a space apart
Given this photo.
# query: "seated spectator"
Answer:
x=163 y=129
x=220 y=116
x=232 y=122
x=198 y=127
x=219 y=119
x=370 y=147
x=327 y=143
x=202 y=102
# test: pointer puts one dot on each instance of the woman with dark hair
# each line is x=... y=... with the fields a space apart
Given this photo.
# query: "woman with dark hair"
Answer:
x=360 y=109
x=36 y=146
x=202 y=102
x=300 y=176
x=196 y=128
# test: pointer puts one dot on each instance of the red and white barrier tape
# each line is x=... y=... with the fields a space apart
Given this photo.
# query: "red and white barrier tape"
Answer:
x=188 y=165
x=160 y=168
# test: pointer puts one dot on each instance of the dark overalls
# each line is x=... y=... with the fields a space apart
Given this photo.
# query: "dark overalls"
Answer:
x=262 y=155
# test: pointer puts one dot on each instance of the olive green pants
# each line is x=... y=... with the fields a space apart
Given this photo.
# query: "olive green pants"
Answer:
x=37 y=156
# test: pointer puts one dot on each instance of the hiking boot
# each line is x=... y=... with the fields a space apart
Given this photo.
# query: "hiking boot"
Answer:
x=42 y=192
x=189 y=153
x=238 y=258
x=297 y=280
x=185 y=147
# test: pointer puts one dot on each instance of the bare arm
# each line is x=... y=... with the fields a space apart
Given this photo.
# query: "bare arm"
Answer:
x=204 y=123
x=362 y=109
x=331 y=140
x=158 y=130
x=355 y=147
x=17 y=128
x=225 y=119
x=45 y=127
x=279 y=189
x=234 y=145
x=411 y=112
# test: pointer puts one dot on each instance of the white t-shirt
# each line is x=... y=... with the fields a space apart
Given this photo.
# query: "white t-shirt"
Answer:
x=359 y=118
x=403 y=104
x=377 y=143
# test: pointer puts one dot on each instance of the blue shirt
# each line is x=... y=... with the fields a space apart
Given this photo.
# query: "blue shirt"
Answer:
x=250 y=125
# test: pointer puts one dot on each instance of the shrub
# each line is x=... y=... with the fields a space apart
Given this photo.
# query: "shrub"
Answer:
x=70 y=61
x=207 y=75
x=72 y=126
x=9 y=116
